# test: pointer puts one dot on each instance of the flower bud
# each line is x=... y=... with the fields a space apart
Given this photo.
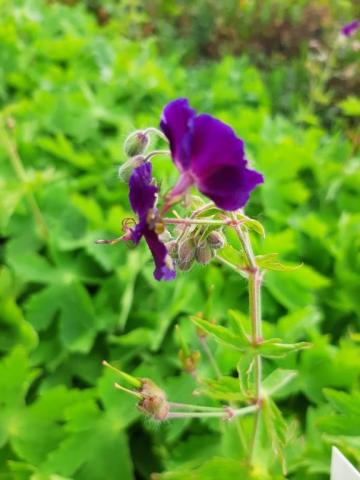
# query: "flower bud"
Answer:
x=153 y=402
x=136 y=143
x=172 y=248
x=189 y=362
x=204 y=253
x=186 y=254
x=127 y=168
x=216 y=239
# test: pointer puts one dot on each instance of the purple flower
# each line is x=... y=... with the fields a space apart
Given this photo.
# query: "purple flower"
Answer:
x=142 y=196
x=208 y=154
x=350 y=28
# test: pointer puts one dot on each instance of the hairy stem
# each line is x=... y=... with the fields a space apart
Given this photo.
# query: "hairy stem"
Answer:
x=157 y=132
x=188 y=406
x=156 y=153
x=227 y=413
x=254 y=277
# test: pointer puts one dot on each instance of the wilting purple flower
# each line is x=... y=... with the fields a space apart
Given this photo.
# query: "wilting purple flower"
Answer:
x=208 y=154
x=142 y=198
x=350 y=28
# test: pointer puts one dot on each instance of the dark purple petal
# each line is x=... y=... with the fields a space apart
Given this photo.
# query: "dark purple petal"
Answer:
x=142 y=194
x=142 y=197
x=138 y=231
x=230 y=187
x=214 y=145
x=163 y=270
x=176 y=123
x=219 y=165
x=350 y=28
x=209 y=154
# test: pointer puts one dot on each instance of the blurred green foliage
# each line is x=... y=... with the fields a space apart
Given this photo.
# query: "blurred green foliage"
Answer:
x=70 y=92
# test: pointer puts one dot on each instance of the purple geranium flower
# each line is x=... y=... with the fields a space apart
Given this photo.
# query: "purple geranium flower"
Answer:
x=350 y=28
x=142 y=196
x=208 y=154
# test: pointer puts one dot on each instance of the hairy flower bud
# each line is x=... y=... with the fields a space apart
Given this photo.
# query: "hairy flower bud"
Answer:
x=136 y=143
x=126 y=169
x=216 y=239
x=153 y=402
x=172 y=248
x=204 y=253
x=186 y=254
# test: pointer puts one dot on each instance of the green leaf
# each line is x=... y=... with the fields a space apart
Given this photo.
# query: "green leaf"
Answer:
x=42 y=306
x=39 y=427
x=15 y=329
x=77 y=318
x=328 y=366
x=246 y=374
x=252 y=224
x=93 y=444
x=273 y=348
x=277 y=380
x=295 y=289
x=222 y=334
x=345 y=420
x=15 y=379
x=270 y=262
x=32 y=267
x=233 y=256
x=61 y=148
x=129 y=275
x=350 y=106
x=135 y=338
x=275 y=428
x=238 y=319
x=225 y=389
x=213 y=469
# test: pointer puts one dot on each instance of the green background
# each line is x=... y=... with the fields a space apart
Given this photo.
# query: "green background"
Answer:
x=75 y=80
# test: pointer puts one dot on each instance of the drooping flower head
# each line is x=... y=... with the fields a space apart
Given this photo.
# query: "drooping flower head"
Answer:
x=142 y=196
x=209 y=155
x=350 y=28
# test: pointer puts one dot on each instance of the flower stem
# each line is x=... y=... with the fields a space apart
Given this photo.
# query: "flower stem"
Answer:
x=157 y=132
x=227 y=413
x=20 y=172
x=193 y=221
x=255 y=279
x=188 y=406
x=156 y=153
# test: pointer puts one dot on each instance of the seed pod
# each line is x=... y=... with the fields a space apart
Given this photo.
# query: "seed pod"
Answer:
x=186 y=254
x=172 y=248
x=216 y=239
x=136 y=143
x=153 y=402
x=126 y=169
x=204 y=253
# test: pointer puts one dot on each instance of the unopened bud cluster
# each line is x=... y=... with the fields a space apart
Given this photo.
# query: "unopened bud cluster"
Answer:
x=190 y=360
x=195 y=248
x=134 y=148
